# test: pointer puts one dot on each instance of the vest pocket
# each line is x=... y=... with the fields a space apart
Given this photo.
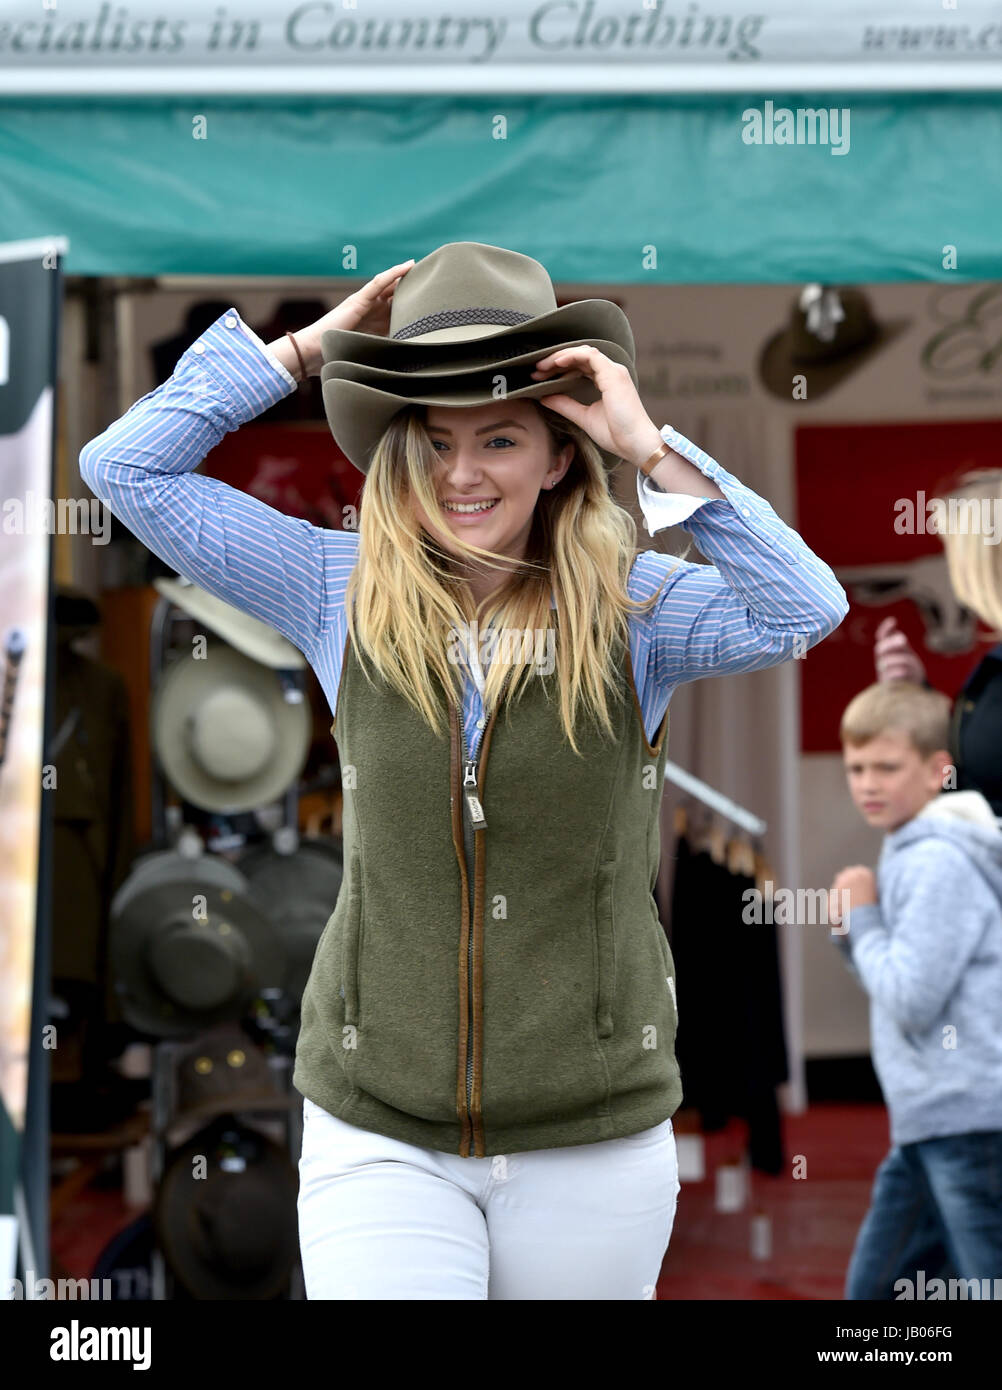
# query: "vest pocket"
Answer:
x=351 y=942
x=605 y=943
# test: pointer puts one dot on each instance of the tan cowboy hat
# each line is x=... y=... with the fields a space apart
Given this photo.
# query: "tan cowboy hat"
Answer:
x=250 y=636
x=227 y=737
x=831 y=333
x=459 y=318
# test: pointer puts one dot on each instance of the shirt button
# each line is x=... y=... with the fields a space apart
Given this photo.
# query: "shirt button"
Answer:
x=198 y=347
x=746 y=511
x=481 y=723
x=231 y=322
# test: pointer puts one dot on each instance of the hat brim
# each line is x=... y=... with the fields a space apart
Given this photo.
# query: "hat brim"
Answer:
x=234 y=1103
x=423 y=370
x=248 y=634
x=179 y=690
x=172 y=1218
x=360 y=401
x=144 y=1004
x=585 y=318
x=778 y=367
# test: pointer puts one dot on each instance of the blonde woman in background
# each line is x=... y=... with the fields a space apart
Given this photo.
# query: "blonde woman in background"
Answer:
x=974 y=559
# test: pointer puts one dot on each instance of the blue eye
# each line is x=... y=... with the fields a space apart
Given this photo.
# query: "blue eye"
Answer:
x=497 y=439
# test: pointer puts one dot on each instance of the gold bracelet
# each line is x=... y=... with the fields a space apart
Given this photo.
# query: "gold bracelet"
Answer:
x=655 y=458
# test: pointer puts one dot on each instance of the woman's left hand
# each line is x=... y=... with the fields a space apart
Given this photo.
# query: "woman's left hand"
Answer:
x=617 y=421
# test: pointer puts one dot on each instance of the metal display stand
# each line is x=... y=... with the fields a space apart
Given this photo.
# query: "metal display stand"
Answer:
x=169 y=832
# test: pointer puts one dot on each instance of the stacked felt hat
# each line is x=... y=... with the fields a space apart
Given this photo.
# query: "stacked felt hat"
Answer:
x=460 y=319
x=230 y=726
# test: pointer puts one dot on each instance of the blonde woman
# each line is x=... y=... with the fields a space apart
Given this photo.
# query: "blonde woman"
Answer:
x=486 y=1051
x=972 y=512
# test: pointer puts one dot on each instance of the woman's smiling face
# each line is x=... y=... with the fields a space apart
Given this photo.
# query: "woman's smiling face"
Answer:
x=494 y=460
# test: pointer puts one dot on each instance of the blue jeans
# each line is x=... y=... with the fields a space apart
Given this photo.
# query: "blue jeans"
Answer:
x=936 y=1206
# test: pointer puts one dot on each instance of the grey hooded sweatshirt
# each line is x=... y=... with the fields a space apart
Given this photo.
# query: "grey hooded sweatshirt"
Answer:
x=929 y=955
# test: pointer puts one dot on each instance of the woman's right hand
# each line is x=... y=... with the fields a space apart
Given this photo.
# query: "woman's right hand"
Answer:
x=894 y=657
x=367 y=310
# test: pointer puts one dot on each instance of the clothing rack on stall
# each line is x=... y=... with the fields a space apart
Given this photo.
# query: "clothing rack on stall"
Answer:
x=714 y=870
x=715 y=800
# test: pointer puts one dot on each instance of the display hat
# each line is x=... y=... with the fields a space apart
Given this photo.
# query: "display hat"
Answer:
x=831 y=333
x=226 y=733
x=248 y=634
x=221 y=1072
x=231 y=1231
x=177 y=972
x=298 y=891
x=459 y=318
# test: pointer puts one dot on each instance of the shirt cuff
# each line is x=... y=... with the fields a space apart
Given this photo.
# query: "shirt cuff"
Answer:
x=744 y=504
x=264 y=348
x=230 y=353
x=663 y=509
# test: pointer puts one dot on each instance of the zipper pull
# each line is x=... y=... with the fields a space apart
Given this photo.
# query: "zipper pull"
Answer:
x=476 y=810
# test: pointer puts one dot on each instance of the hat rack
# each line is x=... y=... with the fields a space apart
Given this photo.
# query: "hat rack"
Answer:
x=169 y=832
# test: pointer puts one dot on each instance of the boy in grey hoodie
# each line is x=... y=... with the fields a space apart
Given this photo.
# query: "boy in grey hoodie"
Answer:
x=925 y=939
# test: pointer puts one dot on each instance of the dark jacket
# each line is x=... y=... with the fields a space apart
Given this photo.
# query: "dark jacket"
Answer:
x=976 y=738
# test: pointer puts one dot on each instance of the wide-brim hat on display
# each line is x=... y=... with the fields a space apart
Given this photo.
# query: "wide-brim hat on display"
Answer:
x=459 y=318
x=232 y=1233
x=298 y=891
x=176 y=972
x=831 y=333
x=248 y=634
x=225 y=733
x=223 y=1072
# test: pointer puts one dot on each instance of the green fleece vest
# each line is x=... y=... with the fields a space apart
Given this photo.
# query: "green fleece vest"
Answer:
x=493 y=990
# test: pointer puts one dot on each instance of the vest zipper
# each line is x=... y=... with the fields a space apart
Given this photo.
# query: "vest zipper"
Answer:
x=474 y=811
x=472 y=814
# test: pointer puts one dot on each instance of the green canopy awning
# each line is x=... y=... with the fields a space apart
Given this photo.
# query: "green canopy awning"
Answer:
x=588 y=185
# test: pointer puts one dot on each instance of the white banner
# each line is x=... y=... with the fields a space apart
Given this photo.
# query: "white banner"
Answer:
x=452 y=46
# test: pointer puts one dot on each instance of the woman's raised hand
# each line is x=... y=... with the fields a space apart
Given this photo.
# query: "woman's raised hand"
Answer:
x=367 y=310
x=617 y=421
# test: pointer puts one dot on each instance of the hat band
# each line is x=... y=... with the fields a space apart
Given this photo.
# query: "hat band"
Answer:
x=455 y=318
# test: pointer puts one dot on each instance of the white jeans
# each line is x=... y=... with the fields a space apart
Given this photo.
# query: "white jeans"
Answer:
x=379 y=1218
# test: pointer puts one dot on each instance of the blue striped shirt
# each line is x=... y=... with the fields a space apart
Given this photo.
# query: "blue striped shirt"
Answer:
x=764 y=598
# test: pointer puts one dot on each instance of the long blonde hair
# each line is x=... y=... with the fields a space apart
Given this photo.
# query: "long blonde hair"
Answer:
x=975 y=563
x=406 y=599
